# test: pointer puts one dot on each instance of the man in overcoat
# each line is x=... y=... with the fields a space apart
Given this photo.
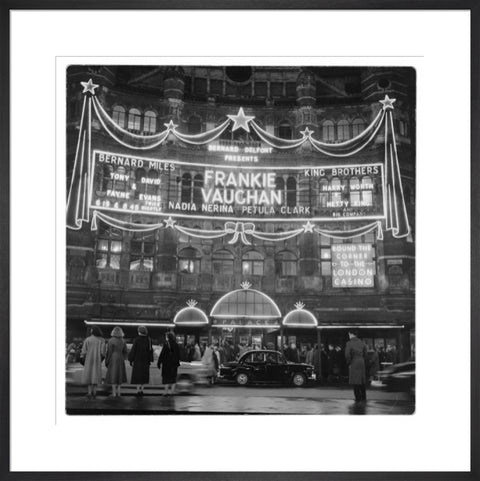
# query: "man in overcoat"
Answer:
x=356 y=357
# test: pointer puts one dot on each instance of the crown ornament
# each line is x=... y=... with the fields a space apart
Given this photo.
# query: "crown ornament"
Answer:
x=191 y=303
x=245 y=285
x=299 y=305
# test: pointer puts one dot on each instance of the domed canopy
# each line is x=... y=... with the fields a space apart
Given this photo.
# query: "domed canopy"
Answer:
x=246 y=303
x=300 y=318
x=190 y=316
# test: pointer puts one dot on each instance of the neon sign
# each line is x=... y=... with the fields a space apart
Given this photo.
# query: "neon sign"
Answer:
x=352 y=265
x=173 y=188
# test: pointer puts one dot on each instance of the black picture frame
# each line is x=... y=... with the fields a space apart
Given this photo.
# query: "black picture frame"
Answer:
x=7 y=6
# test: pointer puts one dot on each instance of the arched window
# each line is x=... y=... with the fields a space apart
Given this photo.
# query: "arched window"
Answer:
x=118 y=115
x=140 y=176
x=285 y=264
x=280 y=185
x=194 y=125
x=186 y=195
x=291 y=192
x=343 y=130
x=285 y=130
x=142 y=251
x=358 y=126
x=367 y=190
x=328 y=130
x=121 y=179
x=354 y=191
x=189 y=261
x=150 y=122
x=252 y=264
x=107 y=179
x=197 y=190
x=336 y=194
x=134 y=119
x=109 y=248
x=153 y=182
x=222 y=263
x=323 y=193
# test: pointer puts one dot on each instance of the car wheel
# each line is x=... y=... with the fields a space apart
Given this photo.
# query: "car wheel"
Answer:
x=242 y=378
x=299 y=379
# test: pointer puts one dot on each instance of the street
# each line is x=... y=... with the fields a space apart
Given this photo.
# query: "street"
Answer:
x=220 y=399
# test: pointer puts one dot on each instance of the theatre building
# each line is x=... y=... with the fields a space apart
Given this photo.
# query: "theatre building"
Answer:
x=264 y=205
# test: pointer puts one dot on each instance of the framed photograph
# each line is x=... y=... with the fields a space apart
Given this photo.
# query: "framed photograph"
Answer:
x=232 y=253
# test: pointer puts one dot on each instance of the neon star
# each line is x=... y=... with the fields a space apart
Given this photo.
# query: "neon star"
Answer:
x=89 y=87
x=169 y=223
x=387 y=103
x=241 y=120
x=307 y=132
x=171 y=125
x=308 y=227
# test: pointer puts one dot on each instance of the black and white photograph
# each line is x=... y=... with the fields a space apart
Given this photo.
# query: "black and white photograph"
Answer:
x=240 y=239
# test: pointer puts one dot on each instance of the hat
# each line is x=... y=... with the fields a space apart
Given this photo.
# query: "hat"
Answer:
x=142 y=330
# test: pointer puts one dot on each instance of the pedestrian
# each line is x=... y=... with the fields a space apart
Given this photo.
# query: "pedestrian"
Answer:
x=309 y=354
x=227 y=351
x=115 y=361
x=291 y=353
x=140 y=357
x=70 y=353
x=197 y=356
x=168 y=361
x=92 y=355
x=190 y=351
x=356 y=357
x=210 y=361
x=373 y=363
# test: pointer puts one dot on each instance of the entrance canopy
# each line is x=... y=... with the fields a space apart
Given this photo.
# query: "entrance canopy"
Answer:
x=190 y=316
x=246 y=303
x=300 y=318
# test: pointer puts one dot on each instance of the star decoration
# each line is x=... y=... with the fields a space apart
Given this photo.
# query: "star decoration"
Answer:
x=171 y=125
x=241 y=120
x=169 y=223
x=307 y=132
x=89 y=87
x=387 y=102
x=308 y=227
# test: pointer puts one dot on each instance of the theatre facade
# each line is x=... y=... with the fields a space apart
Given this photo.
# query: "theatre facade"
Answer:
x=264 y=205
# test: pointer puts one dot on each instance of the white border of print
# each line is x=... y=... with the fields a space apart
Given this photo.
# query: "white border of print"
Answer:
x=43 y=437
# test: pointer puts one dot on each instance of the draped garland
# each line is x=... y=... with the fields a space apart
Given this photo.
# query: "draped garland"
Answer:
x=78 y=210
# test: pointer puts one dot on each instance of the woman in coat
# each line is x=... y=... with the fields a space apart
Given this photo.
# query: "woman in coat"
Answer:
x=115 y=361
x=356 y=357
x=93 y=352
x=209 y=360
x=140 y=357
x=168 y=361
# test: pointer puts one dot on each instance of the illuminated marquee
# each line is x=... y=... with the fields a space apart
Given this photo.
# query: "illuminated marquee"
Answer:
x=128 y=184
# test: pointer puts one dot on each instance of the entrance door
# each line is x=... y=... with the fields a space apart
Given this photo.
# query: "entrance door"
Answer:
x=257 y=341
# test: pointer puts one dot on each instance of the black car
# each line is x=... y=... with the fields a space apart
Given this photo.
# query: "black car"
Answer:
x=398 y=377
x=265 y=366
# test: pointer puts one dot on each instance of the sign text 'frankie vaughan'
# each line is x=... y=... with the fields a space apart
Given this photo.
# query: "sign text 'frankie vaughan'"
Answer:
x=166 y=187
